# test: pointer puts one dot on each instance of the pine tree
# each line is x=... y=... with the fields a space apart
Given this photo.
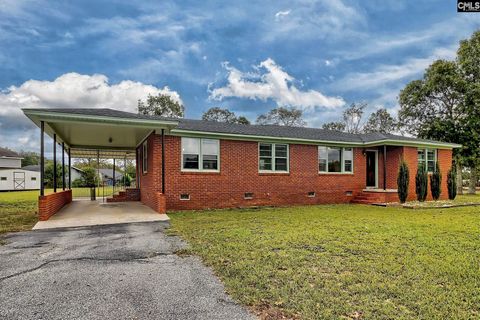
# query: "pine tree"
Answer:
x=436 y=183
x=452 y=183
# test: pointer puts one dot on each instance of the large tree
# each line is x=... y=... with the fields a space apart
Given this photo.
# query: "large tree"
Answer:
x=223 y=115
x=161 y=105
x=334 y=125
x=444 y=105
x=381 y=121
x=283 y=116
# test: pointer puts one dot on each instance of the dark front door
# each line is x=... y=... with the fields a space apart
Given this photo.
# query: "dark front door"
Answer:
x=371 y=168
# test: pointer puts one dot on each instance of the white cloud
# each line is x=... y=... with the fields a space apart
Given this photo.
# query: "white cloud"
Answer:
x=386 y=74
x=70 y=90
x=273 y=83
x=281 y=14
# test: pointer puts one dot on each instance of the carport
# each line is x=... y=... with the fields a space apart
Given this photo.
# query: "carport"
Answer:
x=90 y=133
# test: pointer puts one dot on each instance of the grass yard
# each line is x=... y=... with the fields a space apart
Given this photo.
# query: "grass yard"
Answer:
x=18 y=210
x=343 y=261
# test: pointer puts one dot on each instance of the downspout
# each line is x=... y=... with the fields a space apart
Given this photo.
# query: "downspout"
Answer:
x=384 y=167
x=163 y=161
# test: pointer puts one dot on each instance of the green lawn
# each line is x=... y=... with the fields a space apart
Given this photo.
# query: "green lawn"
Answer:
x=343 y=261
x=18 y=210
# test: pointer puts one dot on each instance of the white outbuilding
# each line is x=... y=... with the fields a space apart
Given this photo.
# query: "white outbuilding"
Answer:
x=12 y=176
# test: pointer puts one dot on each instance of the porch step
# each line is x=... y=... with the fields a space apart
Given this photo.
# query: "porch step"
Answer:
x=375 y=197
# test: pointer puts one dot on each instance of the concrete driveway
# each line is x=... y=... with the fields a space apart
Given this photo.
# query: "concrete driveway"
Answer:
x=122 y=271
x=83 y=212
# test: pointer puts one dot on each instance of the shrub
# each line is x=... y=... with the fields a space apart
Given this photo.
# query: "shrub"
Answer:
x=77 y=183
x=436 y=183
x=403 y=180
x=421 y=183
x=452 y=183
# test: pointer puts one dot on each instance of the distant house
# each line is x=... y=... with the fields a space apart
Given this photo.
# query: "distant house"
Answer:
x=76 y=173
x=13 y=176
x=106 y=176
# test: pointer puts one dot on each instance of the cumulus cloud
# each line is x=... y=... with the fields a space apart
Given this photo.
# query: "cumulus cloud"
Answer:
x=70 y=90
x=271 y=82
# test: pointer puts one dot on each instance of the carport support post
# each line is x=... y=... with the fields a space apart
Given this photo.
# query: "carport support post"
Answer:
x=114 y=175
x=54 y=162
x=125 y=172
x=98 y=171
x=42 y=158
x=69 y=169
x=384 y=167
x=63 y=166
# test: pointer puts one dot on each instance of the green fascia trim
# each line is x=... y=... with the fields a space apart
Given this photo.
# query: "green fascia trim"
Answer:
x=232 y=136
x=67 y=117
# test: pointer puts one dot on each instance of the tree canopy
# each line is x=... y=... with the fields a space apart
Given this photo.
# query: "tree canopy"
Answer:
x=283 y=116
x=223 y=115
x=381 y=121
x=161 y=105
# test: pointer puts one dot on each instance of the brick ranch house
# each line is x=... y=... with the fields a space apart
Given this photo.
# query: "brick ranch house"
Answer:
x=185 y=164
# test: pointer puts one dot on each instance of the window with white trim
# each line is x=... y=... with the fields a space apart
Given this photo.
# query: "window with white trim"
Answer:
x=335 y=159
x=145 y=157
x=272 y=157
x=200 y=154
x=427 y=158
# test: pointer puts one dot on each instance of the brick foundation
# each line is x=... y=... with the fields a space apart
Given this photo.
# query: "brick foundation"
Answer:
x=50 y=204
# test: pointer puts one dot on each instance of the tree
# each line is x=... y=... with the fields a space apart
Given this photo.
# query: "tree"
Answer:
x=403 y=180
x=452 y=183
x=351 y=119
x=445 y=104
x=334 y=125
x=381 y=121
x=161 y=105
x=223 y=115
x=436 y=182
x=29 y=158
x=421 y=183
x=48 y=178
x=282 y=116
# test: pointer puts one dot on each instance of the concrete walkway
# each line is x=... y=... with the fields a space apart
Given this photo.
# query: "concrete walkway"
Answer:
x=89 y=213
x=121 y=271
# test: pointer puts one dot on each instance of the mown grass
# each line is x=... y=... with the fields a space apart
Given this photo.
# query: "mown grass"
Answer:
x=343 y=261
x=18 y=210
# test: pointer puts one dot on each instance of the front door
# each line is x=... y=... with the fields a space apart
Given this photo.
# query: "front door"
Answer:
x=371 y=169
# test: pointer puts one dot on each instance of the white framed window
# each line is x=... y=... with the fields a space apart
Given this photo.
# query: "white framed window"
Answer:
x=427 y=158
x=145 y=157
x=335 y=159
x=200 y=154
x=273 y=157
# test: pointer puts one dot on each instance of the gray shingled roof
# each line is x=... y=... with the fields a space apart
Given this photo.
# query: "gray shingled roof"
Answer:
x=253 y=130
x=4 y=152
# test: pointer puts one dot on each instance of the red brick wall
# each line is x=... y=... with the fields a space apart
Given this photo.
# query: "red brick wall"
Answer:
x=50 y=204
x=445 y=162
x=239 y=174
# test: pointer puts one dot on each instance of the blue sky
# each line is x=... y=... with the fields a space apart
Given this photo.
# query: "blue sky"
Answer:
x=249 y=57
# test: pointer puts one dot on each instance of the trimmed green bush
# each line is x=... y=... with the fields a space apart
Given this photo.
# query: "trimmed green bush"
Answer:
x=403 y=180
x=452 y=183
x=421 y=183
x=436 y=182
